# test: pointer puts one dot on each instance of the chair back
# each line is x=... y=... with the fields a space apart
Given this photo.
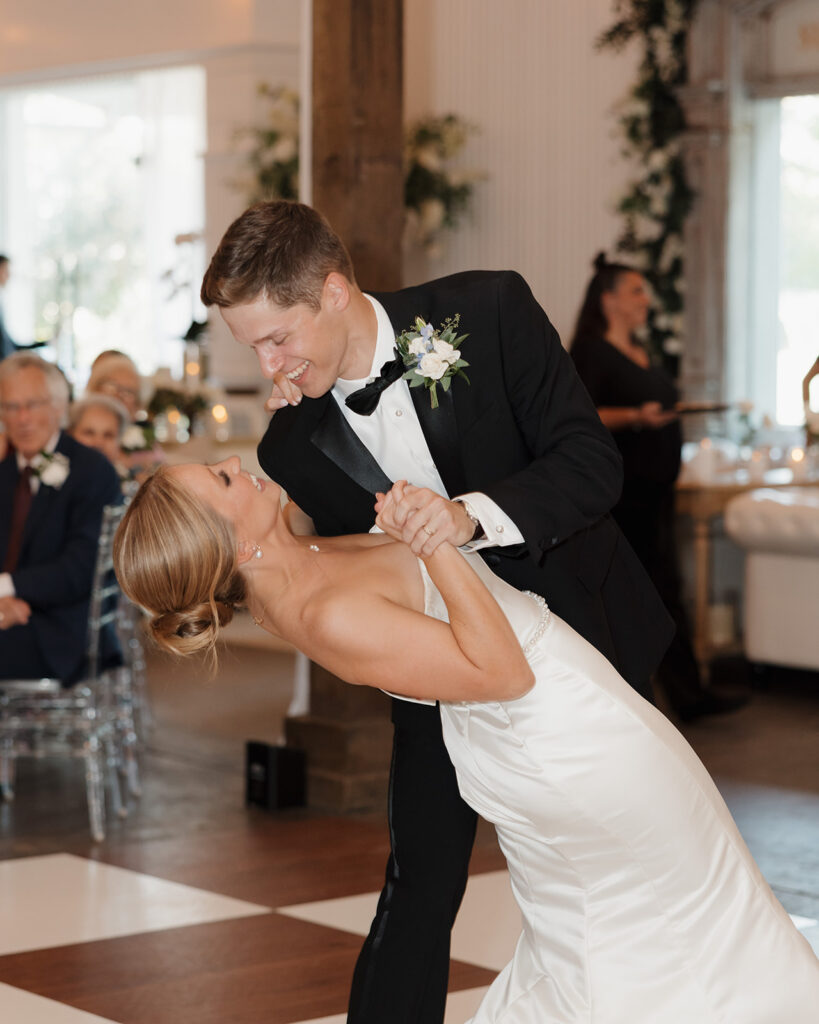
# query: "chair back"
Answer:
x=105 y=592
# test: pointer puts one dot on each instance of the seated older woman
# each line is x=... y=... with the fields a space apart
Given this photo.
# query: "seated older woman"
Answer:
x=99 y=421
x=114 y=374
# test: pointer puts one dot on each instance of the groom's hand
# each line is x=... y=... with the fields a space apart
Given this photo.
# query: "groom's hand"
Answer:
x=422 y=519
x=283 y=392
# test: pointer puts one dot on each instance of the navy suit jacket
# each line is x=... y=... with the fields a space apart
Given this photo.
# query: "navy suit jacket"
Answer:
x=59 y=549
x=523 y=431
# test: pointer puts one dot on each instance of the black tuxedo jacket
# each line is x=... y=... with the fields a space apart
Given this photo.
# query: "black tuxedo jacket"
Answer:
x=59 y=549
x=523 y=431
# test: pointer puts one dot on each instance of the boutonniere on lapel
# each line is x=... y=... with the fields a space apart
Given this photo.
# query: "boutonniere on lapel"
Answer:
x=432 y=357
x=52 y=468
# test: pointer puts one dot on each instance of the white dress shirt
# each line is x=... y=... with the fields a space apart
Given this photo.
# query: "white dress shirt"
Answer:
x=393 y=436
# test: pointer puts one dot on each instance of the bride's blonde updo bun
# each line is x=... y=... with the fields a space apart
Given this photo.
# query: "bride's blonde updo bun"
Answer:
x=176 y=557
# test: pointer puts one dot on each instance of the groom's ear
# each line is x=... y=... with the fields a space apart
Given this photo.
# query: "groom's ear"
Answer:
x=335 y=293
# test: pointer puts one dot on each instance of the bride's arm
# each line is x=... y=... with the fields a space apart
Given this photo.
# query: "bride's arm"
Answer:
x=367 y=639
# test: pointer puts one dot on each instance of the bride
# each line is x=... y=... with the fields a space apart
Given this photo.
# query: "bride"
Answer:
x=639 y=898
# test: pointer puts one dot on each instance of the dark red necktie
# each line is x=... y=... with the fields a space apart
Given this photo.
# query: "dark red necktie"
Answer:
x=20 y=505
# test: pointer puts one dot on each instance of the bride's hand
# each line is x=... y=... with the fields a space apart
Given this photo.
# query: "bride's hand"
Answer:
x=387 y=511
x=422 y=519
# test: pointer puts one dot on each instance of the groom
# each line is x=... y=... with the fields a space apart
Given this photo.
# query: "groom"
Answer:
x=534 y=472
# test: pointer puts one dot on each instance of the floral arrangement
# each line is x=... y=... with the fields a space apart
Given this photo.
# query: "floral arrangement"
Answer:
x=652 y=122
x=52 y=468
x=274 y=152
x=435 y=195
x=432 y=356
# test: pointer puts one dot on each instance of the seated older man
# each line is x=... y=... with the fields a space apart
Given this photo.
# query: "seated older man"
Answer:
x=52 y=493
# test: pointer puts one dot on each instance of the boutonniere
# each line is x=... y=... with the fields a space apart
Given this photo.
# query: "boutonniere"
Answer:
x=432 y=357
x=52 y=468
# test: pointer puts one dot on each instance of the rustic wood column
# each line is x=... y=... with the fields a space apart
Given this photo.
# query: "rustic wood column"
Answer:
x=358 y=184
x=358 y=181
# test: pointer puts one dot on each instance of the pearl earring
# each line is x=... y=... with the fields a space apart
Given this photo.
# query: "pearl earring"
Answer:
x=256 y=548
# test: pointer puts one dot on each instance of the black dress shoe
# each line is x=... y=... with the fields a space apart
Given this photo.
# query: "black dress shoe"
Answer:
x=711 y=702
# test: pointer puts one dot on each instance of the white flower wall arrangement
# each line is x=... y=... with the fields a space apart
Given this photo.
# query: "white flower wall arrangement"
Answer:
x=436 y=194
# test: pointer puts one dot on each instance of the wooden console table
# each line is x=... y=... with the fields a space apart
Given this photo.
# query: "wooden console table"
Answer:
x=704 y=503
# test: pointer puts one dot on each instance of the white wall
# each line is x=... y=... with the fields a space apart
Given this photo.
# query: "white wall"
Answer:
x=527 y=73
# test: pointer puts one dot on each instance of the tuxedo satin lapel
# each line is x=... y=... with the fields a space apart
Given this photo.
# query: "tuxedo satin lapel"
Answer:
x=338 y=441
x=441 y=432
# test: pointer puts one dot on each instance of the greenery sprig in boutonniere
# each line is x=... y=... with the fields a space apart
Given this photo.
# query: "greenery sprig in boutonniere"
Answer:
x=52 y=468
x=432 y=356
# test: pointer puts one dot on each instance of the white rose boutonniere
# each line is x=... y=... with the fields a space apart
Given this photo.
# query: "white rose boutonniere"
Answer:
x=432 y=356
x=52 y=468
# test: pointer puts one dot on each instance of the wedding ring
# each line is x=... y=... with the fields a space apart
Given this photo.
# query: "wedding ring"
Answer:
x=429 y=533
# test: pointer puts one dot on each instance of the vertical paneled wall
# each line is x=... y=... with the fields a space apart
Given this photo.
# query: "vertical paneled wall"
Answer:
x=527 y=73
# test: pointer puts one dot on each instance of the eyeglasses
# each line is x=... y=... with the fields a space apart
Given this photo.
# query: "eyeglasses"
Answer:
x=15 y=408
x=111 y=388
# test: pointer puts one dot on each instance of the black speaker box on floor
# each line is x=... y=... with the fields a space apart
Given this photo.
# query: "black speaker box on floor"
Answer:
x=275 y=777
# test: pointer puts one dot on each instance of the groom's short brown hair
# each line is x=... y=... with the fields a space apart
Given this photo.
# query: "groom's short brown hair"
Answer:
x=279 y=250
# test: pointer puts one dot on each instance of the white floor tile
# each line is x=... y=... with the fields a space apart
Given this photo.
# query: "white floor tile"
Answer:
x=17 y=1007
x=486 y=929
x=60 y=900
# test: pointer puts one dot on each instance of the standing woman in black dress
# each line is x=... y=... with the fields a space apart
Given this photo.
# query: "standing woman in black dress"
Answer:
x=636 y=401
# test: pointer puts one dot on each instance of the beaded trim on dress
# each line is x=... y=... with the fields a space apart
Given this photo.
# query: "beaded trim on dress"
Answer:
x=533 y=640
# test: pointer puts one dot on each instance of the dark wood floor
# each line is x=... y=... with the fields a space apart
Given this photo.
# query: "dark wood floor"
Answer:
x=191 y=826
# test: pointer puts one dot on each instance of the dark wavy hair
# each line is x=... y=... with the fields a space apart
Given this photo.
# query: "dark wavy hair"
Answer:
x=591 y=321
x=279 y=250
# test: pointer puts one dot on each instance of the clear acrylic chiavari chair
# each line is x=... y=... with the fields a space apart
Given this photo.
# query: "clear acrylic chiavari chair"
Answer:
x=93 y=720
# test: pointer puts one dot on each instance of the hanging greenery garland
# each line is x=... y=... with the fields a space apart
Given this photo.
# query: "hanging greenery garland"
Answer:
x=652 y=121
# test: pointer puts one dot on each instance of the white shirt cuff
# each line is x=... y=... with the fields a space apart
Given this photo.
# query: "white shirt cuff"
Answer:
x=499 y=530
x=6 y=585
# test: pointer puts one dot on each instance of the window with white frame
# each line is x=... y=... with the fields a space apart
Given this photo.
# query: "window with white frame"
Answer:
x=101 y=212
x=775 y=291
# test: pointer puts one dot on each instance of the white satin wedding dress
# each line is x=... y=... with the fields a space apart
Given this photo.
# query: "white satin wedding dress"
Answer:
x=640 y=901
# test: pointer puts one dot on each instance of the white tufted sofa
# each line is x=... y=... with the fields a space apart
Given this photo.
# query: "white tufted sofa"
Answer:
x=779 y=530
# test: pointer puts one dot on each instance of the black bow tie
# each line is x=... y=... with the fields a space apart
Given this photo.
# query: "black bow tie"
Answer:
x=365 y=400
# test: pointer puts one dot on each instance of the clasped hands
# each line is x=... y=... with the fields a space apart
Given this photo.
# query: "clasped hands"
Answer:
x=13 y=612
x=421 y=518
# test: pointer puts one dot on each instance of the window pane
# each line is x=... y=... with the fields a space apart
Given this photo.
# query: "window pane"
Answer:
x=102 y=177
x=799 y=261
